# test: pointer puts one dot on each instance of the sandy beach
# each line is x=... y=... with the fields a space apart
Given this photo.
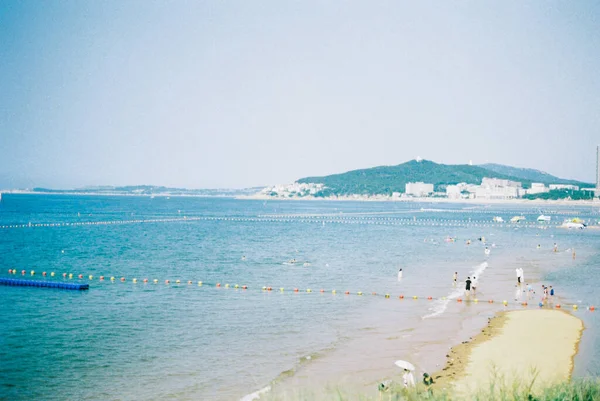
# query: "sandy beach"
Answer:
x=523 y=347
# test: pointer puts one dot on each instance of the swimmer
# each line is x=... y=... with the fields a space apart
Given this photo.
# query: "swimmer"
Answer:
x=487 y=251
x=455 y=277
x=555 y=247
x=243 y=257
x=539 y=246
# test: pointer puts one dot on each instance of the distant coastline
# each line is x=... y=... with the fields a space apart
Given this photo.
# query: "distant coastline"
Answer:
x=384 y=198
x=355 y=198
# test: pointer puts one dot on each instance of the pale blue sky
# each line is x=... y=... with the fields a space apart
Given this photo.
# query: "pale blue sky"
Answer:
x=242 y=93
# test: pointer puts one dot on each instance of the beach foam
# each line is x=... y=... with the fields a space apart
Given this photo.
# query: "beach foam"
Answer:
x=440 y=305
x=256 y=395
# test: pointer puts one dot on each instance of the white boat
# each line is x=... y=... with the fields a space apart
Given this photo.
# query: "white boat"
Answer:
x=571 y=224
x=541 y=217
x=517 y=219
x=498 y=219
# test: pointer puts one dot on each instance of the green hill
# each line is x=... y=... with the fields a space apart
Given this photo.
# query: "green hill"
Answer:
x=531 y=175
x=389 y=179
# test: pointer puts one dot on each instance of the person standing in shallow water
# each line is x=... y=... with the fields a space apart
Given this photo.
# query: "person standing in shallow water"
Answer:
x=468 y=286
x=399 y=274
x=455 y=277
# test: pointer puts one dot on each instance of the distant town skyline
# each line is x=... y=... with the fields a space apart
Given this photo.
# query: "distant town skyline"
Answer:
x=238 y=94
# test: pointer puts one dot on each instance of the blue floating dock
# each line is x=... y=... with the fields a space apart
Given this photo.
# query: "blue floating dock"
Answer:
x=46 y=284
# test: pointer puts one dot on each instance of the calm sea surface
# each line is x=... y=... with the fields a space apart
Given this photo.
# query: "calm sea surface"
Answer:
x=121 y=340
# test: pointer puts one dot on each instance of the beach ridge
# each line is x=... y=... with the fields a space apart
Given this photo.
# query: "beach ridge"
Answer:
x=527 y=347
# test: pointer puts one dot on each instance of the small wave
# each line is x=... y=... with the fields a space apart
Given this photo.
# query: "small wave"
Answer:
x=440 y=305
x=256 y=395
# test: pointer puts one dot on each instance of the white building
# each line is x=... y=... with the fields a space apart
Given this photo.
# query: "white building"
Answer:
x=418 y=189
x=598 y=170
x=537 y=188
x=489 y=192
x=561 y=186
x=453 y=192
x=456 y=191
x=494 y=188
x=496 y=182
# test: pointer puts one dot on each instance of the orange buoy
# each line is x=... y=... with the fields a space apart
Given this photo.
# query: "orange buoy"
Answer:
x=44 y=274
x=269 y=289
x=145 y=280
x=322 y=290
x=491 y=301
x=64 y=274
x=295 y=290
x=592 y=308
x=80 y=276
x=347 y=293
x=524 y=303
x=373 y=293
x=244 y=287
x=557 y=306
x=167 y=282
x=459 y=300
x=9 y=271
x=218 y=284
x=122 y=278
x=101 y=278
x=429 y=298
x=401 y=297
x=189 y=281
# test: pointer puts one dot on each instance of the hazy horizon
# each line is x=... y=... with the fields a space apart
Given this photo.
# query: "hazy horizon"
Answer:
x=238 y=94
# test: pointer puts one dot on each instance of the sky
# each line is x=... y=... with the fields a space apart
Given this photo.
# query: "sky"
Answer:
x=233 y=94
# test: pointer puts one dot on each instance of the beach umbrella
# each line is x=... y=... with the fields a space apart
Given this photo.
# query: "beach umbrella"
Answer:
x=404 y=365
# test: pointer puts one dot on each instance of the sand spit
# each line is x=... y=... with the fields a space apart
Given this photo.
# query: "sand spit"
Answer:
x=517 y=348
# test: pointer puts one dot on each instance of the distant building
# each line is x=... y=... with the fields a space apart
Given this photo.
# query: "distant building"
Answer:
x=488 y=192
x=598 y=170
x=453 y=192
x=496 y=182
x=563 y=186
x=494 y=188
x=537 y=188
x=418 y=189
x=460 y=191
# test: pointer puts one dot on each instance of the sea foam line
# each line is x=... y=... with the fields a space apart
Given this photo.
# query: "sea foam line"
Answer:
x=441 y=305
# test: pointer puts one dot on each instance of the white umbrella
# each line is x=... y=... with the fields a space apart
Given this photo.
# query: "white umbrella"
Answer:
x=404 y=365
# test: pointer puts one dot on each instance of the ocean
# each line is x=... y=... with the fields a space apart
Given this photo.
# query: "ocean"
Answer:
x=153 y=341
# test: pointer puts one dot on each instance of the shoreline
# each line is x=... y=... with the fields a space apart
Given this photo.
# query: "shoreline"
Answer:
x=528 y=347
x=378 y=198
x=360 y=198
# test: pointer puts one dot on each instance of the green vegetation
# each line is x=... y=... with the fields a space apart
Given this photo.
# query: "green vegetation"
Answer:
x=577 y=390
x=563 y=194
x=388 y=179
x=530 y=174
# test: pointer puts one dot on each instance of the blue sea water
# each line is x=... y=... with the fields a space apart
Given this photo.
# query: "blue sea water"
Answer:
x=121 y=340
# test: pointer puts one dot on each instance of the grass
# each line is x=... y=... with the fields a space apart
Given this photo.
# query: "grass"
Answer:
x=576 y=390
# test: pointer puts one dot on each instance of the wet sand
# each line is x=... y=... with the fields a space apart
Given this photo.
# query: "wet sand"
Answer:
x=516 y=347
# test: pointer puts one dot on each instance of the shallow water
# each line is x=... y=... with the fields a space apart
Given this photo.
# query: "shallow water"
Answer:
x=155 y=341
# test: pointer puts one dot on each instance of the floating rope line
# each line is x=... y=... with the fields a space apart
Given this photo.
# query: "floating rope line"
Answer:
x=380 y=221
x=67 y=277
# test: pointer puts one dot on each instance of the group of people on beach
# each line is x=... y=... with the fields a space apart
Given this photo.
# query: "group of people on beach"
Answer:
x=547 y=291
